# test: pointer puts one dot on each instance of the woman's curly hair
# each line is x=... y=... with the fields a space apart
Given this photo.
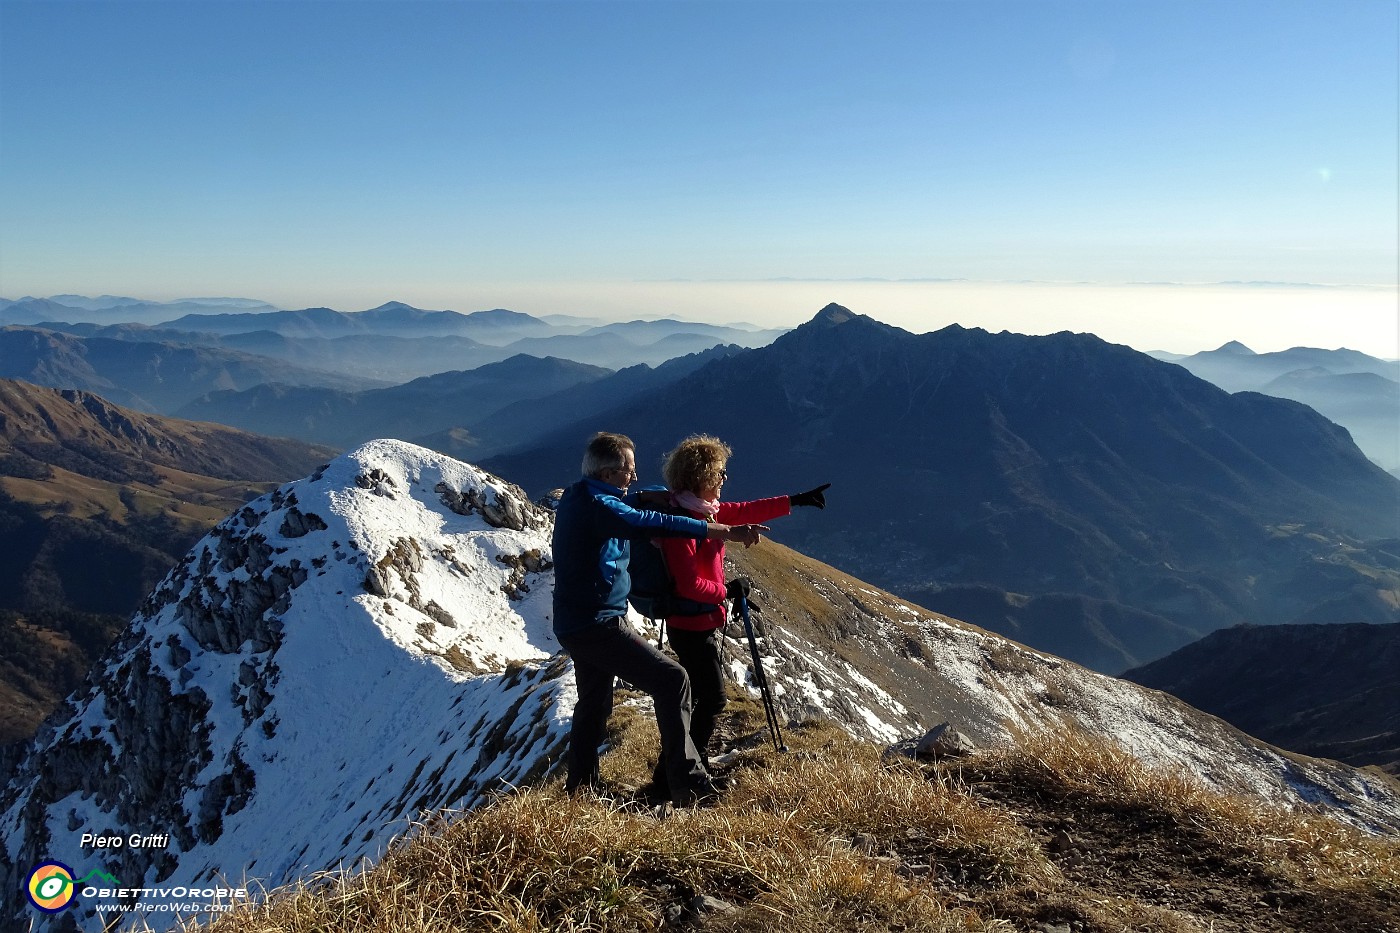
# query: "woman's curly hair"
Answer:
x=696 y=463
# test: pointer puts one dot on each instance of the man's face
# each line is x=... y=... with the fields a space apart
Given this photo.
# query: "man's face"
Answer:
x=622 y=476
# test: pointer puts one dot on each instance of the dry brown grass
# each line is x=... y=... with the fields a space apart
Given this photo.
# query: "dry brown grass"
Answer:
x=778 y=849
x=540 y=861
x=830 y=836
x=1298 y=845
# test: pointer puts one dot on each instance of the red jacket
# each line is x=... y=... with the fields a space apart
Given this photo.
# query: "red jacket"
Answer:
x=697 y=565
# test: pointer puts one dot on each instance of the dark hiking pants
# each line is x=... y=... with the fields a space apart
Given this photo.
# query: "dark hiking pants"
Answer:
x=699 y=654
x=610 y=650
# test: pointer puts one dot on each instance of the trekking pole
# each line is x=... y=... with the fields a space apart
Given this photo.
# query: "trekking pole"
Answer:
x=773 y=728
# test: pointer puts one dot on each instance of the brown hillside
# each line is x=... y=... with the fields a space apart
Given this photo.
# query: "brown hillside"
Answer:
x=97 y=502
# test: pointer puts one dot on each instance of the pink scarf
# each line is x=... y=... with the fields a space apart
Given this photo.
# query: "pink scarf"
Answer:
x=689 y=500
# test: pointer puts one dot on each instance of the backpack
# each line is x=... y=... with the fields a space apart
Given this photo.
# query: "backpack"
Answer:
x=653 y=592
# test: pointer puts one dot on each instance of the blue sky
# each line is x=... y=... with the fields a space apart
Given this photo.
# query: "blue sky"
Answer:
x=641 y=158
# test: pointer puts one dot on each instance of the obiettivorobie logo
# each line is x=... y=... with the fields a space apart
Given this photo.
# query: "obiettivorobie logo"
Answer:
x=51 y=885
x=51 y=888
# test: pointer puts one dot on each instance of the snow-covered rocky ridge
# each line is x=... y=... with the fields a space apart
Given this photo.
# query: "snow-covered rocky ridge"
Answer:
x=373 y=642
x=328 y=663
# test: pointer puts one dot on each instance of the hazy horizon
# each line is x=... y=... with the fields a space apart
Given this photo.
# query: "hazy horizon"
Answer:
x=1266 y=317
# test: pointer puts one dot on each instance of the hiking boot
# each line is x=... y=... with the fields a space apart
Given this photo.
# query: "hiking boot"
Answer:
x=703 y=794
x=606 y=794
x=656 y=791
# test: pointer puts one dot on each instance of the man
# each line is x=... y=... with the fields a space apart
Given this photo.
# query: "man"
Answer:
x=593 y=531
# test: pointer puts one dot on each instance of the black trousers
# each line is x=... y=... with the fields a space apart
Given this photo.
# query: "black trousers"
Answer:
x=699 y=654
x=611 y=650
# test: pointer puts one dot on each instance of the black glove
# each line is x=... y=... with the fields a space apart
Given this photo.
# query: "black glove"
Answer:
x=815 y=497
x=738 y=588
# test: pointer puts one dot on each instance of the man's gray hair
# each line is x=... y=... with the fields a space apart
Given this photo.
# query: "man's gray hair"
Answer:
x=605 y=452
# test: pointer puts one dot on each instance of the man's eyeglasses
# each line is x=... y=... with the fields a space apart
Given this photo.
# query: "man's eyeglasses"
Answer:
x=724 y=474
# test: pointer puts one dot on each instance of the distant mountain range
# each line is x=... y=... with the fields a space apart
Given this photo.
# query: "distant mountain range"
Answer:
x=150 y=376
x=114 y=309
x=424 y=406
x=523 y=422
x=96 y=504
x=393 y=318
x=1041 y=466
x=1097 y=633
x=1332 y=691
x=1359 y=392
x=393 y=342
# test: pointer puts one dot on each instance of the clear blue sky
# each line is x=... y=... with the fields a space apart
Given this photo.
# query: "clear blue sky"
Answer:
x=471 y=154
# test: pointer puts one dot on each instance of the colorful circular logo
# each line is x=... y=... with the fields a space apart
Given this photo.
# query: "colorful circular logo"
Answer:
x=51 y=887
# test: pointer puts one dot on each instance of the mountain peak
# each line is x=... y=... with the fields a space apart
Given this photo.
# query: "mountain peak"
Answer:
x=503 y=317
x=857 y=327
x=832 y=315
x=1235 y=348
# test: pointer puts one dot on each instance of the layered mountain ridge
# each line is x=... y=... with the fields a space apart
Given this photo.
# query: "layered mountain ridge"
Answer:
x=393 y=343
x=373 y=642
x=149 y=375
x=1353 y=389
x=1324 y=690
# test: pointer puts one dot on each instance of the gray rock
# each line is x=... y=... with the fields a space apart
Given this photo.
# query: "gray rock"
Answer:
x=943 y=741
x=702 y=904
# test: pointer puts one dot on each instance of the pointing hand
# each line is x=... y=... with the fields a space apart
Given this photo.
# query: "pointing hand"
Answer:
x=816 y=497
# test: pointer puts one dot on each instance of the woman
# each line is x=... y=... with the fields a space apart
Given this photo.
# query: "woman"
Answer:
x=695 y=473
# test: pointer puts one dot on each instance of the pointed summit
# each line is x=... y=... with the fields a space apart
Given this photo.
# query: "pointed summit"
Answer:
x=1235 y=348
x=832 y=315
x=820 y=333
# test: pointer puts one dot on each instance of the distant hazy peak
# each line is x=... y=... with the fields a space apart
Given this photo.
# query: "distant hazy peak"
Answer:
x=1236 y=348
x=395 y=306
x=500 y=315
x=834 y=314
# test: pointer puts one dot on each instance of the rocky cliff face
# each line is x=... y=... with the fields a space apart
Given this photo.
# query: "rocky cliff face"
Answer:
x=372 y=643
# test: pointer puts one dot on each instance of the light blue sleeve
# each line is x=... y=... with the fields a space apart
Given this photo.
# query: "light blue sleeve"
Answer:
x=623 y=521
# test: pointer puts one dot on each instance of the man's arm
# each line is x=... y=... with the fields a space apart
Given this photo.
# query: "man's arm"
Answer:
x=623 y=521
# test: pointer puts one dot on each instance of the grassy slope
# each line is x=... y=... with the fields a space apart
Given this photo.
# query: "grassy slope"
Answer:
x=832 y=836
